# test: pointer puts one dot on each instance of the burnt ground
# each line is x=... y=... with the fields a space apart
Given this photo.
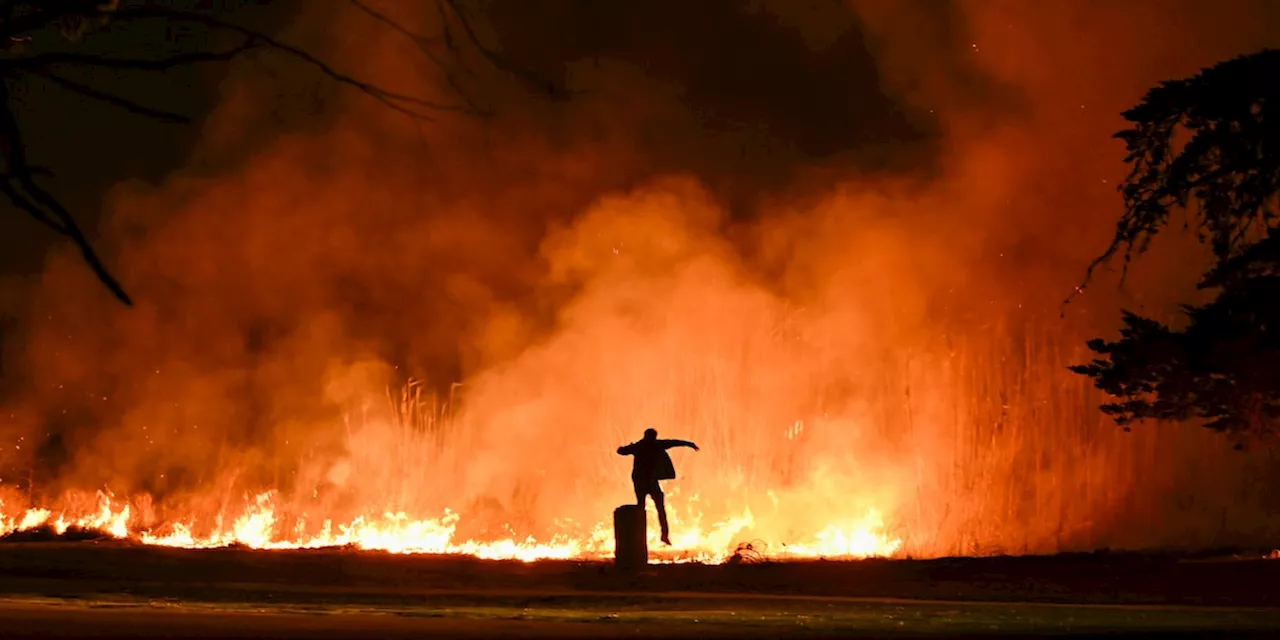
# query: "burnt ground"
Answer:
x=318 y=593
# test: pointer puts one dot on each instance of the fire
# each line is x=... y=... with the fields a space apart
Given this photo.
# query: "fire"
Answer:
x=107 y=518
x=858 y=540
x=258 y=526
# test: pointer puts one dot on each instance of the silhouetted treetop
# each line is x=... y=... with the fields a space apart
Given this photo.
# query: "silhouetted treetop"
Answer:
x=1220 y=370
x=1208 y=144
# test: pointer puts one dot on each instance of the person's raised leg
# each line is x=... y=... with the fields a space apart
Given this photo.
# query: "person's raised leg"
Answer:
x=659 y=502
x=640 y=493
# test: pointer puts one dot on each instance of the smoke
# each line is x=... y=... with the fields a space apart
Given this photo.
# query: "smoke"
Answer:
x=827 y=243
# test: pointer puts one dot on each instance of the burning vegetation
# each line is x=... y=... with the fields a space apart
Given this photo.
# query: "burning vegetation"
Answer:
x=430 y=338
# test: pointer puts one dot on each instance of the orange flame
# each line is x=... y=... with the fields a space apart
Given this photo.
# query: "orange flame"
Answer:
x=257 y=526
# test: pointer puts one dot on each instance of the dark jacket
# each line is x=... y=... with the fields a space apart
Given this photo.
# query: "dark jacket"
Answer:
x=651 y=461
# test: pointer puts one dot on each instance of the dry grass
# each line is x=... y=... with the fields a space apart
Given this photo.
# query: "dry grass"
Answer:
x=978 y=443
x=978 y=447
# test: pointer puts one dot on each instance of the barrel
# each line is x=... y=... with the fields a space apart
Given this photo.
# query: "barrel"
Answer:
x=631 y=547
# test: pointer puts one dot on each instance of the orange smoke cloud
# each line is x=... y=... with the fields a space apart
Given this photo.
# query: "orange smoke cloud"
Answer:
x=868 y=327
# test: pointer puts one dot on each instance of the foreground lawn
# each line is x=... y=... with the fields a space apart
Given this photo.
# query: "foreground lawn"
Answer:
x=758 y=616
x=340 y=591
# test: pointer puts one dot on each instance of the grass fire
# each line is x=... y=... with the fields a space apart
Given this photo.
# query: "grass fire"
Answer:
x=388 y=286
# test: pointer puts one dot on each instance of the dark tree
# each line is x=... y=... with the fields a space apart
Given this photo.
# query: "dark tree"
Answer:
x=52 y=40
x=1209 y=147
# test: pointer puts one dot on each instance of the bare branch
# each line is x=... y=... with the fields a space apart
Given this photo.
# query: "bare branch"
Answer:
x=41 y=61
x=115 y=100
x=77 y=237
x=40 y=203
x=424 y=44
x=21 y=20
x=501 y=63
x=409 y=105
x=21 y=201
x=387 y=21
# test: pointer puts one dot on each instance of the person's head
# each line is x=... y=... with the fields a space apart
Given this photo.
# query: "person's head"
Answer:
x=650 y=434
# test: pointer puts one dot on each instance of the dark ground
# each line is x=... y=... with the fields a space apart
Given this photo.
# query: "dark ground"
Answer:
x=112 y=589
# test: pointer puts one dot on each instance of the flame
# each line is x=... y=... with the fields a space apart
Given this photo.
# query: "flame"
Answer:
x=258 y=526
x=856 y=539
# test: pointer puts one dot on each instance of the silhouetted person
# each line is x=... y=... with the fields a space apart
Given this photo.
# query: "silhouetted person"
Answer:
x=651 y=464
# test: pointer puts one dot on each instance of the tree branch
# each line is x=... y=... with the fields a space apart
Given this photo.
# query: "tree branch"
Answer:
x=1130 y=229
x=21 y=20
x=40 y=204
x=115 y=100
x=406 y=104
x=21 y=201
x=38 y=62
x=387 y=21
x=424 y=45
x=77 y=237
x=501 y=63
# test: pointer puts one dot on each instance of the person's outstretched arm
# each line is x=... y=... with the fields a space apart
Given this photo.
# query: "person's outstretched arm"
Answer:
x=627 y=449
x=667 y=444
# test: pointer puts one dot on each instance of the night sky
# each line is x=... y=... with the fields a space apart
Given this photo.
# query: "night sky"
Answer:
x=773 y=97
x=750 y=78
x=92 y=146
